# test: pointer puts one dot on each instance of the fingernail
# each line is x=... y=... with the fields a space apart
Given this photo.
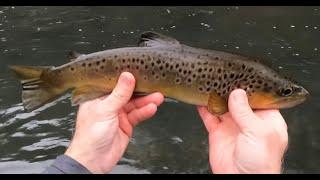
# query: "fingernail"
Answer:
x=125 y=78
x=239 y=96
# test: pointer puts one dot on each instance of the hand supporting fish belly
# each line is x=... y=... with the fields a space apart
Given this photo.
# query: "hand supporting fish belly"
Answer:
x=161 y=64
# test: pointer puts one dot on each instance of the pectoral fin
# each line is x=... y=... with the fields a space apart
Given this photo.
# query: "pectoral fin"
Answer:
x=86 y=93
x=217 y=105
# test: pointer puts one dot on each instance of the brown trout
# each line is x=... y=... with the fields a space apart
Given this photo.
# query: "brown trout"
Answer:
x=162 y=64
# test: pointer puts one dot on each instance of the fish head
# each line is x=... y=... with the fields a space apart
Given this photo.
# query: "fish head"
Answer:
x=286 y=94
x=290 y=94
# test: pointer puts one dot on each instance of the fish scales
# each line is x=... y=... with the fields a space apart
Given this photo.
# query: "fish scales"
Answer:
x=161 y=64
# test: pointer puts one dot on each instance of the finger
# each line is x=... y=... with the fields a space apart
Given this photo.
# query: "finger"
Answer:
x=124 y=124
x=138 y=115
x=210 y=121
x=155 y=98
x=274 y=116
x=240 y=109
x=276 y=121
x=121 y=94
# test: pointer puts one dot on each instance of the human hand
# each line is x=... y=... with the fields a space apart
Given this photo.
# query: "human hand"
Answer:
x=243 y=141
x=104 y=125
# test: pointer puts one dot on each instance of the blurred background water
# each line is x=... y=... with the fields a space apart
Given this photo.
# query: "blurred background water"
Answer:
x=175 y=140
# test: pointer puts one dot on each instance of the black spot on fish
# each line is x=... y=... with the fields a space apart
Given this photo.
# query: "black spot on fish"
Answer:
x=103 y=60
x=216 y=58
x=210 y=70
x=167 y=65
x=243 y=66
x=101 y=67
x=199 y=70
x=219 y=71
x=83 y=64
x=178 y=80
x=240 y=76
x=215 y=84
x=123 y=60
x=89 y=64
x=229 y=64
x=232 y=75
x=160 y=68
x=72 y=69
x=192 y=65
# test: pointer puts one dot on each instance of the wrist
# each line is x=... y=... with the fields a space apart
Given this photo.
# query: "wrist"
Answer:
x=85 y=159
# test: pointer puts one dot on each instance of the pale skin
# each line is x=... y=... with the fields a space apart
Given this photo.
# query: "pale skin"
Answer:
x=240 y=141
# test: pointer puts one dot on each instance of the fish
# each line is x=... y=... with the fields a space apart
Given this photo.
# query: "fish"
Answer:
x=161 y=63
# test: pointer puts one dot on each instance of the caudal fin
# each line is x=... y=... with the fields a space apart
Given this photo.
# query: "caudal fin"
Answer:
x=35 y=91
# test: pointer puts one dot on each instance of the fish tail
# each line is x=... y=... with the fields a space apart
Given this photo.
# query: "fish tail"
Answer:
x=35 y=91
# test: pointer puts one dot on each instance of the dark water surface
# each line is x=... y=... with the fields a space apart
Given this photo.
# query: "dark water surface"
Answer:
x=175 y=140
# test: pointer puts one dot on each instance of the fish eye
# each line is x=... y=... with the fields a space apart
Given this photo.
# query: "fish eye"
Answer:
x=286 y=91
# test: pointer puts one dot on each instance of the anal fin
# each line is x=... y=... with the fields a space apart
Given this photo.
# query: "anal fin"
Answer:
x=86 y=93
x=217 y=105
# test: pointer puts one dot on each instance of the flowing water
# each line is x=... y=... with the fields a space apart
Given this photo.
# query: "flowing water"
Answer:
x=175 y=140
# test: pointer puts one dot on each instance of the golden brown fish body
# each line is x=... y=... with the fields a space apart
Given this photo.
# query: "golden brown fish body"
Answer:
x=161 y=64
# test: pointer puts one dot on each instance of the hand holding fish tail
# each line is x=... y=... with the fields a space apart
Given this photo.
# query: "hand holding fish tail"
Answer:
x=104 y=125
x=245 y=141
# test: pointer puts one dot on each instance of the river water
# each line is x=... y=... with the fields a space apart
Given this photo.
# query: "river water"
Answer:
x=175 y=140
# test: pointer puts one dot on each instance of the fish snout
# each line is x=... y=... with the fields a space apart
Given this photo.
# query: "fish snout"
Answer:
x=301 y=91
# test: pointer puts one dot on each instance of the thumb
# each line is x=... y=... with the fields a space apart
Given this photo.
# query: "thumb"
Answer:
x=122 y=93
x=240 y=109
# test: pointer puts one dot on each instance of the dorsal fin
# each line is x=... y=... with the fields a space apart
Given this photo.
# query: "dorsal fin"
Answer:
x=73 y=55
x=151 y=39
